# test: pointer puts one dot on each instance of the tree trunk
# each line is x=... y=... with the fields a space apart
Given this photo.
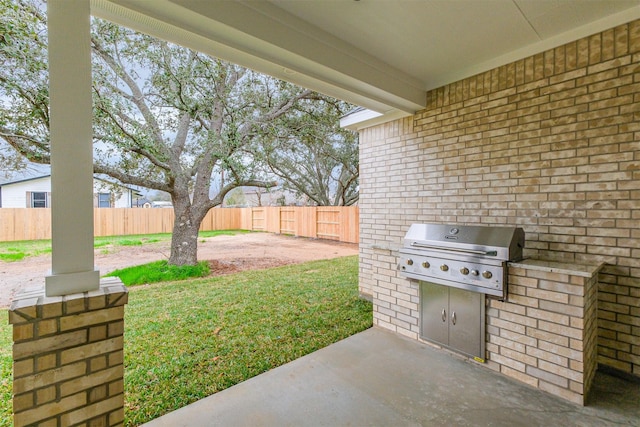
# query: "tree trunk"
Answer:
x=184 y=241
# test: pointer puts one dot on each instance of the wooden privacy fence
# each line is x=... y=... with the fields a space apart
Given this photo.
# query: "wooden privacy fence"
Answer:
x=323 y=222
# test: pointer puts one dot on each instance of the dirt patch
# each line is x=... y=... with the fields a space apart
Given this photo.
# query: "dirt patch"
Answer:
x=222 y=267
x=226 y=255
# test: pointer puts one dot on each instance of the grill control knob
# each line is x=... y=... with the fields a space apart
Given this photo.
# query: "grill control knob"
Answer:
x=444 y=267
x=487 y=274
x=409 y=261
x=464 y=271
x=474 y=272
x=425 y=264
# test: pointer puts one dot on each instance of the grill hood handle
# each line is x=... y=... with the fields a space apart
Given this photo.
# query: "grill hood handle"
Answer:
x=446 y=249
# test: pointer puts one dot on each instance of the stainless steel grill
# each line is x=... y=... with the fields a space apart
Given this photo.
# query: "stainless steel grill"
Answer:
x=467 y=257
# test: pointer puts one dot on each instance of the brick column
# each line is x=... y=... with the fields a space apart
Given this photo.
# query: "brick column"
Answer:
x=68 y=357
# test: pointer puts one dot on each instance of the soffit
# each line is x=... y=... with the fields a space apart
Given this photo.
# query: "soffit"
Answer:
x=382 y=55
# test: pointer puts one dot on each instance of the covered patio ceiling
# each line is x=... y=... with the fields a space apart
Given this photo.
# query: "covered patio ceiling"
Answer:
x=379 y=54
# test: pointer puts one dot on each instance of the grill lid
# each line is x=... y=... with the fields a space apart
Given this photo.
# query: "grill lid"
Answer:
x=504 y=243
x=466 y=257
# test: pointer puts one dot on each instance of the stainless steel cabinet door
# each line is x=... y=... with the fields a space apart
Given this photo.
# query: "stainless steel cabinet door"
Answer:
x=465 y=329
x=454 y=318
x=434 y=313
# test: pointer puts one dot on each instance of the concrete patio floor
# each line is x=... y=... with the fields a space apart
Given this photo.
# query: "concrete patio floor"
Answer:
x=377 y=378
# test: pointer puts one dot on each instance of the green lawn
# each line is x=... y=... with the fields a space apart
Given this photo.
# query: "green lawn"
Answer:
x=18 y=250
x=5 y=369
x=187 y=340
x=159 y=271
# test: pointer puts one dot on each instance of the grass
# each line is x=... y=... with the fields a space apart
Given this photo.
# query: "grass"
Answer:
x=18 y=250
x=159 y=271
x=8 y=257
x=6 y=365
x=130 y=242
x=187 y=340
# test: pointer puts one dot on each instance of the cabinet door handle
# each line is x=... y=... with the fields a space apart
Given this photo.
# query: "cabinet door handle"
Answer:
x=444 y=315
x=453 y=317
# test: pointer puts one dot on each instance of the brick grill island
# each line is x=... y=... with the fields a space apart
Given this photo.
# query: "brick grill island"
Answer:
x=541 y=331
x=545 y=334
x=549 y=143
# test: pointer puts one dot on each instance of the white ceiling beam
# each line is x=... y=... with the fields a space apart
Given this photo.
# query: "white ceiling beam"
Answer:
x=248 y=35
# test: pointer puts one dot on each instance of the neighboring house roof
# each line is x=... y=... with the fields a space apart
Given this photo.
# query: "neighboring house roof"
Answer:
x=31 y=170
x=18 y=181
x=34 y=178
x=135 y=191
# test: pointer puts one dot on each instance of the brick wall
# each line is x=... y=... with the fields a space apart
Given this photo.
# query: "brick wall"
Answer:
x=550 y=143
x=68 y=357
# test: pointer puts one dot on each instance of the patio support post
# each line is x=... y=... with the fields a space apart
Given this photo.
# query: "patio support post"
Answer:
x=71 y=148
x=68 y=346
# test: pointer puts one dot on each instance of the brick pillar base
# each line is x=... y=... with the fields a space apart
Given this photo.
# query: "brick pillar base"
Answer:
x=68 y=357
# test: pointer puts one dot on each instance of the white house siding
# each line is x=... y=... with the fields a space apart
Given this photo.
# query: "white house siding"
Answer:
x=124 y=201
x=15 y=195
x=120 y=198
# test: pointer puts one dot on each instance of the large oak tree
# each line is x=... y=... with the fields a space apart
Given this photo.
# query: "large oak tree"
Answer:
x=312 y=156
x=165 y=118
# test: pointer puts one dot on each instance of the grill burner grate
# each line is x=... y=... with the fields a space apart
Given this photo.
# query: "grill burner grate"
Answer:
x=467 y=257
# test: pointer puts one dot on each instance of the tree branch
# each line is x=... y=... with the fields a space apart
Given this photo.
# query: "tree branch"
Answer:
x=131 y=179
x=217 y=201
x=137 y=96
x=135 y=148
